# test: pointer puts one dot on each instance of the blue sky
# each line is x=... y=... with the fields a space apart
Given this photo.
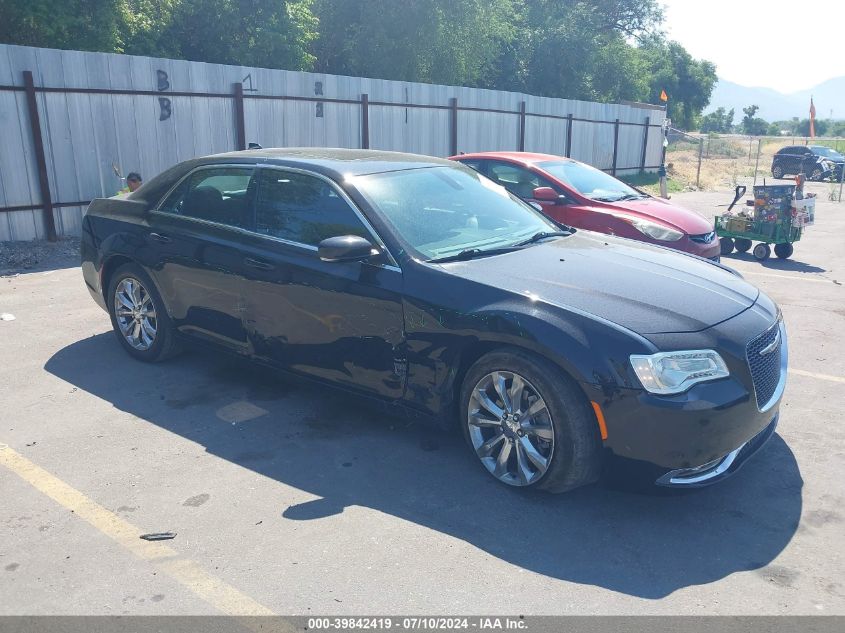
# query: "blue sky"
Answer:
x=757 y=43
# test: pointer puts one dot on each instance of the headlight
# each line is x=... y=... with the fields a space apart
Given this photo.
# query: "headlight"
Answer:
x=674 y=372
x=654 y=230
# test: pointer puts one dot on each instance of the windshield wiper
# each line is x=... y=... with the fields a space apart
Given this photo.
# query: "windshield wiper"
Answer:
x=543 y=235
x=633 y=196
x=471 y=253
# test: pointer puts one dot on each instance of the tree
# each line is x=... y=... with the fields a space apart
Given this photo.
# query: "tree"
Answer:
x=751 y=125
x=688 y=82
x=439 y=41
x=803 y=127
x=88 y=25
x=601 y=50
x=265 y=33
x=582 y=50
x=718 y=121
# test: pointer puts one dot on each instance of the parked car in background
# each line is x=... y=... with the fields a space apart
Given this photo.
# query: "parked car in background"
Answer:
x=584 y=197
x=418 y=282
x=817 y=162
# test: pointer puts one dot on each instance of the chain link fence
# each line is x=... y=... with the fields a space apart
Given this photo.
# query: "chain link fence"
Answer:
x=708 y=162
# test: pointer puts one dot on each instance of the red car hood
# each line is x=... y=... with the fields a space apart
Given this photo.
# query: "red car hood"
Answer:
x=682 y=219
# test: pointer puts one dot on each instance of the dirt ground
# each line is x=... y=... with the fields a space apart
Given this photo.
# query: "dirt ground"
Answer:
x=730 y=161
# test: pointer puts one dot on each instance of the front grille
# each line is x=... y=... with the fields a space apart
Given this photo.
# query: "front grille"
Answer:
x=704 y=238
x=765 y=368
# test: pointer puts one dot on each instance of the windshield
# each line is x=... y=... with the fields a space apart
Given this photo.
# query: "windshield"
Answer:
x=590 y=182
x=442 y=211
x=826 y=152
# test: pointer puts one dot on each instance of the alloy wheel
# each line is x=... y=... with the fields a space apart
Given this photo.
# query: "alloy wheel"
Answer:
x=511 y=428
x=135 y=313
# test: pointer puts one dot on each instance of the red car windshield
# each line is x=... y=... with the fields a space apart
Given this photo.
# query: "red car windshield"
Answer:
x=590 y=182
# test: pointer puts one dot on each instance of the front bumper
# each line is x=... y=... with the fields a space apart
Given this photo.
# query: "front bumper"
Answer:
x=718 y=469
x=705 y=434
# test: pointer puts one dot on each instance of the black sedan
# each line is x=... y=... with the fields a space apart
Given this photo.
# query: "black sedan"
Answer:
x=417 y=281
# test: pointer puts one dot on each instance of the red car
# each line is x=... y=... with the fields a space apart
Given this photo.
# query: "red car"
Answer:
x=587 y=198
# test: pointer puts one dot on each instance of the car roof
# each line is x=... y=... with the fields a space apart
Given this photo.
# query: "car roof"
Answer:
x=333 y=162
x=526 y=158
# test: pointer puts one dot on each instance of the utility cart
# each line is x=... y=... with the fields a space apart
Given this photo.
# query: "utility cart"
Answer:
x=775 y=216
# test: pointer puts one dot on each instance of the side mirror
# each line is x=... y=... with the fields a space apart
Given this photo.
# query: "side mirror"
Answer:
x=345 y=248
x=546 y=194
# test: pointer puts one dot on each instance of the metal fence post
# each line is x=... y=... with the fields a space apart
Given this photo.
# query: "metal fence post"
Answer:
x=757 y=164
x=365 y=121
x=40 y=158
x=615 y=144
x=750 y=143
x=453 y=126
x=522 y=126
x=568 y=153
x=645 y=144
x=698 y=171
x=240 y=124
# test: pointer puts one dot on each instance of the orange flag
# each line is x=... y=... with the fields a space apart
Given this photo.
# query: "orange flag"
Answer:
x=812 y=119
x=664 y=96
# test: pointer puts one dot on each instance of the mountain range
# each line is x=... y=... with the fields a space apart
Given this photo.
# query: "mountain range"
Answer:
x=777 y=106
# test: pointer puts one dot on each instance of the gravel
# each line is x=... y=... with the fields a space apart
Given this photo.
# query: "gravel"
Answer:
x=18 y=257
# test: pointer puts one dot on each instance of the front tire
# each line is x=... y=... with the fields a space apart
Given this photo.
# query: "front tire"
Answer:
x=138 y=316
x=726 y=245
x=816 y=174
x=528 y=423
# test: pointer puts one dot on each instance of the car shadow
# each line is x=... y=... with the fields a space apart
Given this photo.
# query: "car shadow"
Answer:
x=350 y=452
x=791 y=265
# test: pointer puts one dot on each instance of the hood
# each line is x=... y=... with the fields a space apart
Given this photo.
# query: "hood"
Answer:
x=687 y=221
x=643 y=288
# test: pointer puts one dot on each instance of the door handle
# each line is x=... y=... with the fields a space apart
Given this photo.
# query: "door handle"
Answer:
x=158 y=237
x=257 y=263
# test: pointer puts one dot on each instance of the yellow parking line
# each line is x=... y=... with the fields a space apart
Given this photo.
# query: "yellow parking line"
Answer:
x=817 y=280
x=810 y=374
x=214 y=591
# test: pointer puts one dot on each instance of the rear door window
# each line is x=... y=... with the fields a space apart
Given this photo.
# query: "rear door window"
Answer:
x=217 y=194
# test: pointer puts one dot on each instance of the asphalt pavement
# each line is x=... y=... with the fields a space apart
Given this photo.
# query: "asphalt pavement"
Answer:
x=289 y=498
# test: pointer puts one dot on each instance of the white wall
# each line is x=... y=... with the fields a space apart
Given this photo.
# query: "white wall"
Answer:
x=84 y=134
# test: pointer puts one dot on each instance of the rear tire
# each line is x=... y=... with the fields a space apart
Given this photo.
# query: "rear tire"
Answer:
x=138 y=315
x=726 y=245
x=784 y=251
x=762 y=251
x=742 y=244
x=555 y=448
x=777 y=171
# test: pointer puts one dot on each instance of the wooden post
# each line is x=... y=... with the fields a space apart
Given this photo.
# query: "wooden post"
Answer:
x=40 y=158
x=365 y=121
x=522 y=126
x=568 y=152
x=453 y=126
x=615 y=145
x=240 y=125
x=645 y=144
x=698 y=171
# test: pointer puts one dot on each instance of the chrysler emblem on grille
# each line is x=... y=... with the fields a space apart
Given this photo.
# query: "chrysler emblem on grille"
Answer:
x=771 y=347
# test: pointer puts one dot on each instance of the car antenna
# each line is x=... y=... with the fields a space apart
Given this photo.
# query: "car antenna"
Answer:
x=254 y=146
